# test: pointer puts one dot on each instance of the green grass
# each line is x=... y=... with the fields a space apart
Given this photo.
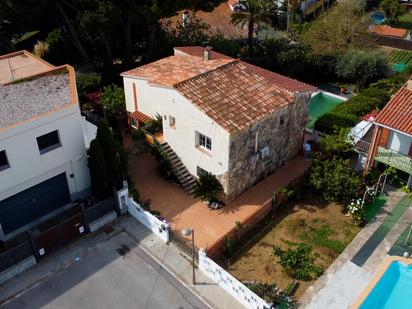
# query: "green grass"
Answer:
x=321 y=236
x=373 y=208
x=400 y=56
x=405 y=21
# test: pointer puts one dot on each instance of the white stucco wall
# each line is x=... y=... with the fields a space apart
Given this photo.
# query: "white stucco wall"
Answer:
x=28 y=167
x=399 y=142
x=189 y=119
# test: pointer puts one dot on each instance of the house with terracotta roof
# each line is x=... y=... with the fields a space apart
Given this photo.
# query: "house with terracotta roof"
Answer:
x=220 y=115
x=389 y=139
x=385 y=30
x=43 y=142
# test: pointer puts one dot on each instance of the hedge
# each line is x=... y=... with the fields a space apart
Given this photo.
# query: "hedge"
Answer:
x=348 y=114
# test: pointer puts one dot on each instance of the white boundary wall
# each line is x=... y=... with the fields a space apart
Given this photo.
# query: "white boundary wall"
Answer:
x=230 y=284
x=158 y=227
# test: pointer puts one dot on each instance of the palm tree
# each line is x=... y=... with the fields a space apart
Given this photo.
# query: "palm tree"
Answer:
x=255 y=14
x=207 y=187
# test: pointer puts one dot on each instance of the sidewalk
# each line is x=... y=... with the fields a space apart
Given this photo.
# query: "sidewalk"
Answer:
x=177 y=263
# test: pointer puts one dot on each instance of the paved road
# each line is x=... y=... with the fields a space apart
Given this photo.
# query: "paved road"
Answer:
x=107 y=279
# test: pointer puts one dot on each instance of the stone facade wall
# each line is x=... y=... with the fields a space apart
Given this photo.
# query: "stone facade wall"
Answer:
x=283 y=140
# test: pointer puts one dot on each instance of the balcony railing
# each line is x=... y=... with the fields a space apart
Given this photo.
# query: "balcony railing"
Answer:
x=362 y=146
x=395 y=159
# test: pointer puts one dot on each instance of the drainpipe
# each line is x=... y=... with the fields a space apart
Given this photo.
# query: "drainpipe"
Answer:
x=372 y=149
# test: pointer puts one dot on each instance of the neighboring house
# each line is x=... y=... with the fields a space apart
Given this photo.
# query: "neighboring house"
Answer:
x=385 y=30
x=43 y=142
x=237 y=6
x=389 y=139
x=221 y=115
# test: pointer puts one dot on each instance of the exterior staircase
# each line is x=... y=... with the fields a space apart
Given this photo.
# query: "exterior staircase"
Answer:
x=186 y=179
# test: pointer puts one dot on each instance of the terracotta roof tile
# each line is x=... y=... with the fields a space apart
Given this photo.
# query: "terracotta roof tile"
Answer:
x=235 y=107
x=287 y=83
x=386 y=30
x=397 y=114
x=139 y=116
x=175 y=69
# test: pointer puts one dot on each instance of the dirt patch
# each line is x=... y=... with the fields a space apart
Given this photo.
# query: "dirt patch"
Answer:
x=321 y=225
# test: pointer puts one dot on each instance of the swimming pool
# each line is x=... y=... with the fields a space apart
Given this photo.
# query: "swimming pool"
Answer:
x=393 y=290
x=321 y=103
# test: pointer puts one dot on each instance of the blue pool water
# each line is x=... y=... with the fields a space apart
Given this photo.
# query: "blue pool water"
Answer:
x=393 y=290
x=378 y=18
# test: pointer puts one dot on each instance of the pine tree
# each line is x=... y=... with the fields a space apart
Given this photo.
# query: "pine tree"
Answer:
x=98 y=172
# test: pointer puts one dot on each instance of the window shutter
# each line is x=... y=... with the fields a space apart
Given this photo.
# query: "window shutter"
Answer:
x=384 y=137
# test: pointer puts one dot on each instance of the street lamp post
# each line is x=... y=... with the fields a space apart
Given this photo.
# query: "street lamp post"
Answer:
x=186 y=232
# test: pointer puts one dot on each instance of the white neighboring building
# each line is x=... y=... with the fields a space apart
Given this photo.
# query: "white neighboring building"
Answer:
x=220 y=115
x=43 y=142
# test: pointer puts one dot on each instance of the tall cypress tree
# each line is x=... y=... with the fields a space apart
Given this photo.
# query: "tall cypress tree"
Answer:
x=105 y=138
x=98 y=172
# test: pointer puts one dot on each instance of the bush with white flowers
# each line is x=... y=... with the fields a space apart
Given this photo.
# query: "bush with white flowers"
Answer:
x=356 y=211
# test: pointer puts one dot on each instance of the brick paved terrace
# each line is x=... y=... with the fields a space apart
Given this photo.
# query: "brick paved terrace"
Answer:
x=181 y=210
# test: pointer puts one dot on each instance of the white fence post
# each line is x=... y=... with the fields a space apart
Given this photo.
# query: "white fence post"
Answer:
x=158 y=227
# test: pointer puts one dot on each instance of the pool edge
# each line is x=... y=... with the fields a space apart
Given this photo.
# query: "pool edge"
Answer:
x=377 y=276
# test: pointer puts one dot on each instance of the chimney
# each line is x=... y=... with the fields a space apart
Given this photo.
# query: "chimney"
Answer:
x=206 y=53
x=409 y=84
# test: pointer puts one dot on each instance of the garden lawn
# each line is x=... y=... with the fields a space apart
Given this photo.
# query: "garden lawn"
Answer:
x=321 y=225
x=373 y=208
x=405 y=21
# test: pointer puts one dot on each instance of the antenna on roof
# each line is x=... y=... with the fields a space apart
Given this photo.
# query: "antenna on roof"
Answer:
x=11 y=71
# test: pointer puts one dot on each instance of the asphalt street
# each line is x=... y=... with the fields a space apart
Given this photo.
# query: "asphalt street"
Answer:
x=119 y=274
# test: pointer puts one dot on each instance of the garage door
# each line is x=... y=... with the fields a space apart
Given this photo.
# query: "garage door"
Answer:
x=33 y=203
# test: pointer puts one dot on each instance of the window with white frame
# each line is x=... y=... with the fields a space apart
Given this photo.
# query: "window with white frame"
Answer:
x=172 y=121
x=204 y=141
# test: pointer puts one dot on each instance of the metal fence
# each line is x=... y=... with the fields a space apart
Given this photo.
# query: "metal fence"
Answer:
x=15 y=255
x=184 y=244
x=99 y=210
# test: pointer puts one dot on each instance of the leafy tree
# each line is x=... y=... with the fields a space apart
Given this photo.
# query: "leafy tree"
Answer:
x=342 y=27
x=334 y=179
x=299 y=263
x=362 y=66
x=393 y=9
x=98 y=173
x=88 y=82
x=336 y=144
x=207 y=187
x=113 y=99
x=255 y=14
x=105 y=138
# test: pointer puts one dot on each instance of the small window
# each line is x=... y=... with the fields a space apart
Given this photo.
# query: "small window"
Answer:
x=172 y=121
x=4 y=163
x=281 y=120
x=204 y=141
x=200 y=171
x=48 y=142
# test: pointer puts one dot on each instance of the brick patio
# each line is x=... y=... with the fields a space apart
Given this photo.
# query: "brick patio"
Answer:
x=210 y=226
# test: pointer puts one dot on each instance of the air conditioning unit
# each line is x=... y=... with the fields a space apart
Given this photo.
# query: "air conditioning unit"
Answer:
x=254 y=158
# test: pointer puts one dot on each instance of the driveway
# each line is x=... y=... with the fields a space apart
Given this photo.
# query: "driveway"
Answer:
x=110 y=278
x=181 y=210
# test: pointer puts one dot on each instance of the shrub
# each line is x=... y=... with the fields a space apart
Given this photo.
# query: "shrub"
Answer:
x=41 y=49
x=113 y=99
x=229 y=246
x=88 y=82
x=299 y=263
x=270 y=293
x=207 y=188
x=334 y=179
x=154 y=125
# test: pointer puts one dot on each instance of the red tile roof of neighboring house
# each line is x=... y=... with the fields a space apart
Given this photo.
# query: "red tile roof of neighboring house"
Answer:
x=235 y=106
x=141 y=117
x=233 y=2
x=385 y=30
x=397 y=114
x=287 y=83
x=218 y=20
